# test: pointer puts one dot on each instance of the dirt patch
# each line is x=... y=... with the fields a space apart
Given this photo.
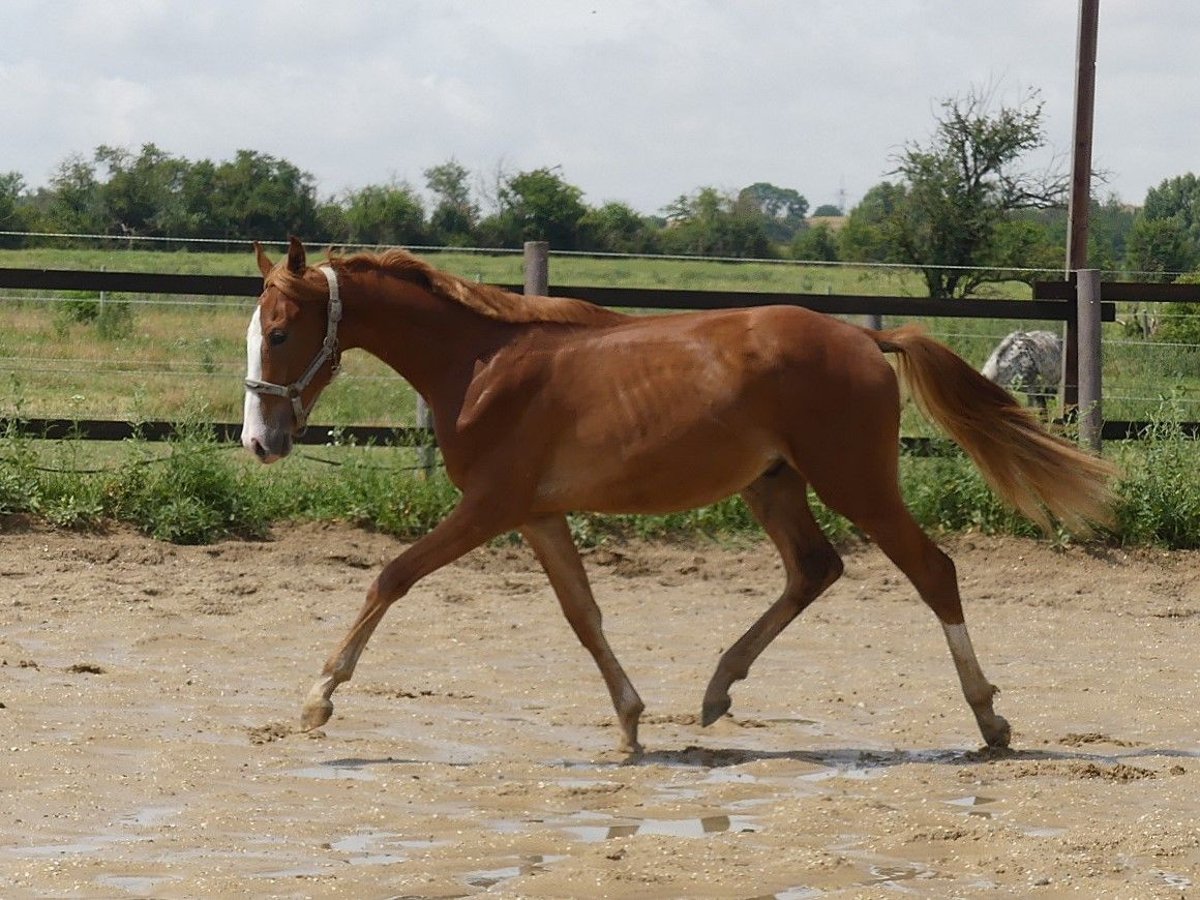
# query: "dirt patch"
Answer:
x=149 y=694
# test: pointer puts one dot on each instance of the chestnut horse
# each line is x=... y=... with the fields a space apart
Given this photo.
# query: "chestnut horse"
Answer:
x=543 y=406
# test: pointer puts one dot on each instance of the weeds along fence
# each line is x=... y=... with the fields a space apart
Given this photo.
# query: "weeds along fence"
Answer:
x=109 y=354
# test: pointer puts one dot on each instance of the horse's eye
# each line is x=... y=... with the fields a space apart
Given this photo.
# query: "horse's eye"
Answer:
x=277 y=337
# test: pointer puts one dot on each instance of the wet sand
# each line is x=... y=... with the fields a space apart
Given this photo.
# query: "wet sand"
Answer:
x=149 y=695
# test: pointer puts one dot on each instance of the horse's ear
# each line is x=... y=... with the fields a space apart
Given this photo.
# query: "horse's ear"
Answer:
x=297 y=261
x=264 y=264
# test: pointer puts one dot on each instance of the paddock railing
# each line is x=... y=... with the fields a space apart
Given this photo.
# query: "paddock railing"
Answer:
x=1081 y=304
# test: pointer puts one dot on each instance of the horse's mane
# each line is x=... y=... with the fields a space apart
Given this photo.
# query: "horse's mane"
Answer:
x=487 y=300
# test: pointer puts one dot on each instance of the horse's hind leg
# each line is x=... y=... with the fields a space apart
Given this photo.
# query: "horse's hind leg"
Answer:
x=780 y=503
x=877 y=508
x=551 y=541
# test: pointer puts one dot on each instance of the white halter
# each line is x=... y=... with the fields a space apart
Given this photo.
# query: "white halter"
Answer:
x=328 y=351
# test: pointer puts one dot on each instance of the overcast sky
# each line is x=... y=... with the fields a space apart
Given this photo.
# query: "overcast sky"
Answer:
x=636 y=100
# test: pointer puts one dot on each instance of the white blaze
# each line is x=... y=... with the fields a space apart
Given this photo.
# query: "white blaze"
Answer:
x=254 y=423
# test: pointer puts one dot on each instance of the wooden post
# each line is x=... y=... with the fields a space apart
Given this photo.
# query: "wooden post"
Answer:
x=1081 y=180
x=1091 y=420
x=427 y=452
x=537 y=268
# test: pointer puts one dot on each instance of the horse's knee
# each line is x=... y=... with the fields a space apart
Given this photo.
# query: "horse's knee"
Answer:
x=820 y=568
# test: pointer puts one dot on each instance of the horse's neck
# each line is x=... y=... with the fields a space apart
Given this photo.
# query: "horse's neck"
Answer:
x=432 y=343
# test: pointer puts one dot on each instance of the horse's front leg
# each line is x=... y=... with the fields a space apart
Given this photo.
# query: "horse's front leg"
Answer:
x=550 y=538
x=468 y=526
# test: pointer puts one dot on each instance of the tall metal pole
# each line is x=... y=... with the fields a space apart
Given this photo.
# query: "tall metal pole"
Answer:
x=1081 y=180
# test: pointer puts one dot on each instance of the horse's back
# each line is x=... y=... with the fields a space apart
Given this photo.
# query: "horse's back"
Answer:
x=671 y=412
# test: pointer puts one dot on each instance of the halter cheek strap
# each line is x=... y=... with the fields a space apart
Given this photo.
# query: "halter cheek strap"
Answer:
x=329 y=351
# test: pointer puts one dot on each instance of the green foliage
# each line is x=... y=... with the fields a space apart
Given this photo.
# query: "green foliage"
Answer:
x=617 y=228
x=75 y=206
x=195 y=491
x=18 y=470
x=1180 y=322
x=114 y=320
x=381 y=491
x=872 y=230
x=1159 y=248
x=385 y=214
x=16 y=210
x=710 y=223
x=782 y=210
x=817 y=244
x=948 y=493
x=190 y=496
x=538 y=205
x=1159 y=491
x=961 y=189
x=1177 y=198
x=82 y=307
x=455 y=215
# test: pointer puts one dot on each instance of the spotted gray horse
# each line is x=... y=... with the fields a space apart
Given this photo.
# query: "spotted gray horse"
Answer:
x=1028 y=361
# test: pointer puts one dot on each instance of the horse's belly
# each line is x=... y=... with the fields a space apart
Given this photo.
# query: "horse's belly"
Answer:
x=637 y=478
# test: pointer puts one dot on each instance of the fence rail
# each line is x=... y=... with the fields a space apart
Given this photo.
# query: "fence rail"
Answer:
x=1048 y=308
x=1053 y=302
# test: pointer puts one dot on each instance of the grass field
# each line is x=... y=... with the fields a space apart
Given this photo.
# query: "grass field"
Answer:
x=182 y=359
x=152 y=357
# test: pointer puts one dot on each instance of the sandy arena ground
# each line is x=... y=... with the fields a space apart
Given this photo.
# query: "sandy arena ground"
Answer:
x=148 y=695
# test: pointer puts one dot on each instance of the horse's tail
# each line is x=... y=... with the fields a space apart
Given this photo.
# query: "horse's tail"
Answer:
x=1035 y=472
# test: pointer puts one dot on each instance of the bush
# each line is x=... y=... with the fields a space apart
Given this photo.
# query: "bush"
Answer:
x=192 y=496
x=199 y=491
x=1160 y=493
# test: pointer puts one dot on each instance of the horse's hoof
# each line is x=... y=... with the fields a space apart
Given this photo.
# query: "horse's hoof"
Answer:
x=315 y=714
x=633 y=748
x=999 y=734
x=714 y=709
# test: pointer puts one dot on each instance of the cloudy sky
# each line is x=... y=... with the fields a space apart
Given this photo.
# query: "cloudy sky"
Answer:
x=636 y=100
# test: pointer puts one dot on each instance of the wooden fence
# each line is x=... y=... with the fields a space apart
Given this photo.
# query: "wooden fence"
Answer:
x=1082 y=303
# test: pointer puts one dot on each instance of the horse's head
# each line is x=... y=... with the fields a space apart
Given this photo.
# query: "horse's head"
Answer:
x=291 y=351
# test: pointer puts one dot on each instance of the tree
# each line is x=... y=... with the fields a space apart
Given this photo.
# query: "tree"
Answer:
x=1177 y=197
x=1158 y=249
x=782 y=209
x=74 y=206
x=871 y=231
x=256 y=194
x=711 y=223
x=962 y=187
x=16 y=213
x=1166 y=236
x=143 y=194
x=538 y=206
x=454 y=215
x=827 y=210
x=616 y=228
x=385 y=214
x=818 y=244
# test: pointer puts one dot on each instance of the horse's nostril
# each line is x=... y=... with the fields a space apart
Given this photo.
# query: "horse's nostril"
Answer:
x=259 y=450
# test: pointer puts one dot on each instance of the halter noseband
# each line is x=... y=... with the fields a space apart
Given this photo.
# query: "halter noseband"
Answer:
x=328 y=351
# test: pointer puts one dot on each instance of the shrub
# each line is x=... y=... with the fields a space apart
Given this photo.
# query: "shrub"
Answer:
x=1160 y=494
x=191 y=496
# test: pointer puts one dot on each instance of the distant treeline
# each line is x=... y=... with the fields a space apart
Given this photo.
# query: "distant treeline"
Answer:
x=152 y=193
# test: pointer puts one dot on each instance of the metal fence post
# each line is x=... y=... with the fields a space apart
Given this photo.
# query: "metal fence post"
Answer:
x=1091 y=420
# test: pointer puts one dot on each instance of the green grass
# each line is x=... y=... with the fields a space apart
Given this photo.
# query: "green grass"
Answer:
x=139 y=358
x=164 y=358
x=193 y=490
